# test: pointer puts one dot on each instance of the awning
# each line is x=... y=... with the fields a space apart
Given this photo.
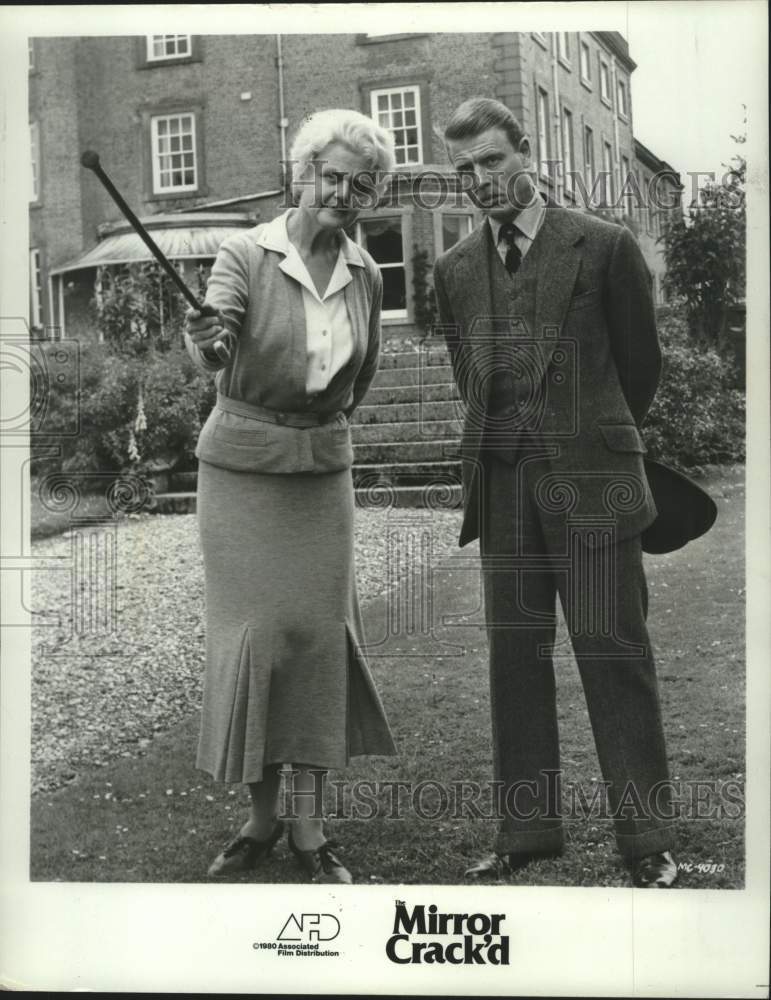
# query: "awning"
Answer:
x=180 y=237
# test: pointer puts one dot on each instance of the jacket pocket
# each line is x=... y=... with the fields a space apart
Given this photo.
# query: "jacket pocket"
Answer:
x=623 y=437
x=585 y=300
x=246 y=438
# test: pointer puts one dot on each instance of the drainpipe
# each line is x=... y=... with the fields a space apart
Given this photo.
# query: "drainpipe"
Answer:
x=282 y=119
x=560 y=176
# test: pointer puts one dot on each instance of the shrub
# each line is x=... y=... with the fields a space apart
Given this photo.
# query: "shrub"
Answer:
x=697 y=417
x=176 y=398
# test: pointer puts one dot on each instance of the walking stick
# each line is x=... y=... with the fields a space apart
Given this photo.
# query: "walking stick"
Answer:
x=90 y=160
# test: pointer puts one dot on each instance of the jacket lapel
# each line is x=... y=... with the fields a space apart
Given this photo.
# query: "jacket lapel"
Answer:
x=558 y=265
x=471 y=280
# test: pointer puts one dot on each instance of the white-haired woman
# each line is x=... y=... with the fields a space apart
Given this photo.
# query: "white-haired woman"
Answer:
x=286 y=680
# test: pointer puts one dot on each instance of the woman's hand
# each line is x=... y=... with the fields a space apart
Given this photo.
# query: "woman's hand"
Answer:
x=204 y=330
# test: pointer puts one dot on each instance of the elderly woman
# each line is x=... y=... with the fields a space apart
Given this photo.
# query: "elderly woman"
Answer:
x=286 y=680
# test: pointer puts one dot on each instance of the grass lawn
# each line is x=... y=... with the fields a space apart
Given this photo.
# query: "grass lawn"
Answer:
x=154 y=818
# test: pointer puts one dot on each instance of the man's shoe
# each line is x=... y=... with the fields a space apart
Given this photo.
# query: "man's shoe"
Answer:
x=655 y=871
x=490 y=866
x=244 y=853
x=322 y=864
x=497 y=865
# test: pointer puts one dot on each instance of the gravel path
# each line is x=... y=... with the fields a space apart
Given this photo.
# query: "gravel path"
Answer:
x=101 y=693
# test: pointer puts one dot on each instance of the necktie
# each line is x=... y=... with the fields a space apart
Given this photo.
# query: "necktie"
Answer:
x=513 y=253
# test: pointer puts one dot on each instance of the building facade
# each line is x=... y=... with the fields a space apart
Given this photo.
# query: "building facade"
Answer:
x=194 y=132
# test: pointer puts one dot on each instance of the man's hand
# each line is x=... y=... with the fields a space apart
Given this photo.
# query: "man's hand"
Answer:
x=204 y=330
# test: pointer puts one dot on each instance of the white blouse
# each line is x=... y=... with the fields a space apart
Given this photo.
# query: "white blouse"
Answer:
x=329 y=332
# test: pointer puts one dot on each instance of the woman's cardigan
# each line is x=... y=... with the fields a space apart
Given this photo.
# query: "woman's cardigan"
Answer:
x=265 y=381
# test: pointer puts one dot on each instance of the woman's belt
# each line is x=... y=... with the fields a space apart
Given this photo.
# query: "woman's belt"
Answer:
x=243 y=409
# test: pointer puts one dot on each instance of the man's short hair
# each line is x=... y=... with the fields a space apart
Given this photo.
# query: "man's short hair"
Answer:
x=478 y=114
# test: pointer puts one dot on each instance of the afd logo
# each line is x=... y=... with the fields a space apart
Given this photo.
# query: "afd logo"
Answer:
x=310 y=927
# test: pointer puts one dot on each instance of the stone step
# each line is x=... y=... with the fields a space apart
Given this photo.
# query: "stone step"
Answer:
x=174 y=503
x=392 y=413
x=403 y=452
x=436 y=354
x=414 y=430
x=408 y=473
x=379 y=395
x=436 y=498
x=425 y=375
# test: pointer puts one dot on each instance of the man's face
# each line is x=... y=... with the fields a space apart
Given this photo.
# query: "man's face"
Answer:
x=501 y=185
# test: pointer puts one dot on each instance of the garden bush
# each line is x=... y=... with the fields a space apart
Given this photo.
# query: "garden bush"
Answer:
x=119 y=432
x=698 y=415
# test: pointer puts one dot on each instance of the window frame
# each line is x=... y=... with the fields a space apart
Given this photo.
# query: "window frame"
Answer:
x=540 y=37
x=35 y=162
x=392 y=316
x=439 y=217
x=564 y=58
x=36 y=316
x=590 y=162
x=605 y=92
x=543 y=130
x=568 y=162
x=185 y=189
x=608 y=186
x=585 y=78
x=143 y=61
x=174 y=56
x=625 y=175
x=621 y=88
x=376 y=91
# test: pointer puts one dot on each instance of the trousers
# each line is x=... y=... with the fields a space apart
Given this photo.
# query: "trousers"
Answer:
x=604 y=598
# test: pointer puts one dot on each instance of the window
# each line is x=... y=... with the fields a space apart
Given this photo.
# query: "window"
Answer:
x=454 y=229
x=383 y=239
x=586 y=63
x=626 y=186
x=563 y=47
x=399 y=112
x=622 y=102
x=34 y=147
x=173 y=153
x=589 y=169
x=607 y=174
x=604 y=82
x=168 y=47
x=35 y=289
x=568 y=165
x=543 y=132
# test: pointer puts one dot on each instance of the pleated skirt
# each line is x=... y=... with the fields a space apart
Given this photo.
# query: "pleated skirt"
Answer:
x=286 y=678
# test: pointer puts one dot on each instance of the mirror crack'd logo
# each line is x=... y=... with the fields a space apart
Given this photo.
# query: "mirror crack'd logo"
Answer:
x=424 y=936
x=302 y=935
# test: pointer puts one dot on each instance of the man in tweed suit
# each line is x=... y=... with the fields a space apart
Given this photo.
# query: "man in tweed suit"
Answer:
x=550 y=325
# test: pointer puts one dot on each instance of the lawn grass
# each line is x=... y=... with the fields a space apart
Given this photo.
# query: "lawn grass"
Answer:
x=154 y=818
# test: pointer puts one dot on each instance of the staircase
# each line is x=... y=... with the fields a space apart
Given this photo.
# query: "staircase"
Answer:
x=406 y=434
x=405 y=439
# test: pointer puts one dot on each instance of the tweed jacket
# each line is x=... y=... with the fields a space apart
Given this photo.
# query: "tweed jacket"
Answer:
x=263 y=307
x=591 y=365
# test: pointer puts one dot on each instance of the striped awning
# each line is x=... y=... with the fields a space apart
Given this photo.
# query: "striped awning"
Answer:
x=181 y=237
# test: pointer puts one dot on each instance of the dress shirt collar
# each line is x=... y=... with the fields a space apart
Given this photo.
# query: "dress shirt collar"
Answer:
x=528 y=221
x=275 y=237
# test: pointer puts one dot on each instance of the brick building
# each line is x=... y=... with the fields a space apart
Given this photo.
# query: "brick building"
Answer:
x=193 y=131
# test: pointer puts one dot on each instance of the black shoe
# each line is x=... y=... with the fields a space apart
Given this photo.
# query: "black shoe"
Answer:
x=497 y=865
x=245 y=853
x=322 y=864
x=655 y=871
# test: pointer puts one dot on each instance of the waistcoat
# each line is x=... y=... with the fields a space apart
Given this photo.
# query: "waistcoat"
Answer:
x=516 y=387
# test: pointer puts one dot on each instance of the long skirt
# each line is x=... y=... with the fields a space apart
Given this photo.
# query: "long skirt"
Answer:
x=286 y=677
